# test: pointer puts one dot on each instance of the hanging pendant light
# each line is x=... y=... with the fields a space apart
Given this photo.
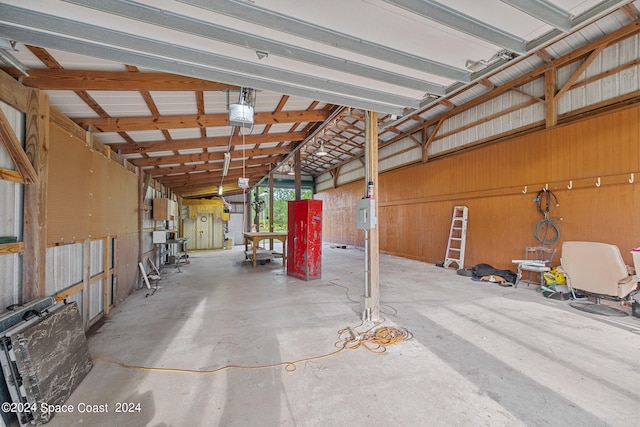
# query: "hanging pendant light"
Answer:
x=321 y=151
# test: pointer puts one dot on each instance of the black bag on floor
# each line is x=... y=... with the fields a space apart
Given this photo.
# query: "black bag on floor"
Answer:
x=481 y=270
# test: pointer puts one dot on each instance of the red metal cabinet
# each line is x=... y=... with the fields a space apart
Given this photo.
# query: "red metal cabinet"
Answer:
x=304 y=241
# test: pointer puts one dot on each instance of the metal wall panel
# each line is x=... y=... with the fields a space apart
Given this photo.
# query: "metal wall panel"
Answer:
x=609 y=87
x=96 y=298
x=11 y=200
x=16 y=120
x=401 y=153
x=411 y=156
x=97 y=257
x=11 y=209
x=64 y=267
x=496 y=126
x=324 y=182
x=350 y=172
x=11 y=279
x=505 y=123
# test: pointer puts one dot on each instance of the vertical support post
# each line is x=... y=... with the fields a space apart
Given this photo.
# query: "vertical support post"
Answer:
x=256 y=218
x=106 y=277
x=86 y=283
x=142 y=192
x=247 y=212
x=271 y=209
x=551 y=103
x=372 y=250
x=113 y=299
x=298 y=177
x=35 y=198
x=179 y=221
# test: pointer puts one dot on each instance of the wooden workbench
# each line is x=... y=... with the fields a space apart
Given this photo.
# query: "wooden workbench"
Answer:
x=256 y=237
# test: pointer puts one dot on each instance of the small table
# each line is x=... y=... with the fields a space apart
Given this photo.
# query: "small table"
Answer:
x=529 y=265
x=256 y=237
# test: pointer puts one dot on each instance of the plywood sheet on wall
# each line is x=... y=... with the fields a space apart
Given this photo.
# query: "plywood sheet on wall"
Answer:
x=69 y=181
x=121 y=200
x=99 y=184
x=90 y=196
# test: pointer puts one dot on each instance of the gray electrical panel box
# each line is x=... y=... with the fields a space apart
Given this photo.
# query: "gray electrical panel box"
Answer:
x=366 y=214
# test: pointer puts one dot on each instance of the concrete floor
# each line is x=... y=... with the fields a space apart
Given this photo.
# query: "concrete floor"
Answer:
x=481 y=354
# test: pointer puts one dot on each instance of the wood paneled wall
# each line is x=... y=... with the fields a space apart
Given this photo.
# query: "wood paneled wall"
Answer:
x=89 y=197
x=416 y=203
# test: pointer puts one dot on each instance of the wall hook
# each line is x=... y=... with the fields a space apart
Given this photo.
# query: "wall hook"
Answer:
x=570 y=186
x=598 y=182
x=546 y=187
x=525 y=190
x=632 y=178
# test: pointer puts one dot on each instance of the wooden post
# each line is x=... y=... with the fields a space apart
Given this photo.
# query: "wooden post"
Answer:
x=551 y=103
x=106 y=276
x=271 y=209
x=144 y=182
x=86 y=283
x=372 y=291
x=256 y=199
x=247 y=212
x=35 y=198
x=298 y=177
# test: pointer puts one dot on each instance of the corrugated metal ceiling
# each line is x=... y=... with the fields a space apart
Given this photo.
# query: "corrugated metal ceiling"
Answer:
x=335 y=58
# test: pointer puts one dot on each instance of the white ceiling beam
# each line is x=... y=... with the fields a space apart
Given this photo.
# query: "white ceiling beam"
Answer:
x=119 y=56
x=460 y=22
x=544 y=11
x=279 y=22
x=72 y=36
x=212 y=31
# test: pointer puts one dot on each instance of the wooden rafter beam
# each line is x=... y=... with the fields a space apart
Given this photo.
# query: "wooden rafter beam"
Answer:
x=208 y=167
x=12 y=92
x=53 y=65
x=631 y=11
x=201 y=110
x=205 y=157
x=207 y=176
x=445 y=102
x=128 y=124
x=430 y=139
x=253 y=176
x=608 y=72
x=520 y=91
x=581 y=52
x=17 y=154
x=61 y=79
x=209 y=190
x=581 y=69
x=218 y=141
x=486 y=83
x=11 y=175
x=544 y=55
x=151 y=105
x=279 y=107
